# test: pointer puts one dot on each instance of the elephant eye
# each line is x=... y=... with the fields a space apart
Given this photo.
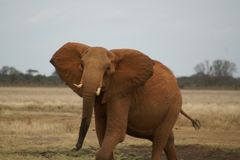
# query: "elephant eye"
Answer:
x=81 y=65
x=107 y=67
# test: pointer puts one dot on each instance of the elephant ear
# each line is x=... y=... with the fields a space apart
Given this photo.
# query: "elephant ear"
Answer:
x=133 y=69
x=67 y=61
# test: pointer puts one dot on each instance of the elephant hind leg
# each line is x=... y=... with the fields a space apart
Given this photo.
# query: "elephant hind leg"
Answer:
x=170 y=149
x=163 y=133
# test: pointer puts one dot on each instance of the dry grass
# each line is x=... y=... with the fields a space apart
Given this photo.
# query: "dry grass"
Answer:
x=215 y=109
x=39 y=99
x=42 y=123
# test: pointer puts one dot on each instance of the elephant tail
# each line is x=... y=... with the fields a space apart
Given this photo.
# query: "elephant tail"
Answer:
x=195 y=122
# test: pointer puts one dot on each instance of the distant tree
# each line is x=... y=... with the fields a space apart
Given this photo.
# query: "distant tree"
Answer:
x=219 y=68
x=32 y=72
x=9 y=76
x=218 y=74
x=200 y=69
x=6 y=70
x=223 y=68
x=208 y=67
x=203 y=68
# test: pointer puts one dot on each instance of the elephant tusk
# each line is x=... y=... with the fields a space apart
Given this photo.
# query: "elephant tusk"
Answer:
x=78 y=85
x=98 y=91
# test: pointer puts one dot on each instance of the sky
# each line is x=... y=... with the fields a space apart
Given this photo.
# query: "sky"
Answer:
x=178 y=33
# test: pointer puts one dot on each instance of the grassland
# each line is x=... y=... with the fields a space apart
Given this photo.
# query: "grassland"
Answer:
x=42 y=123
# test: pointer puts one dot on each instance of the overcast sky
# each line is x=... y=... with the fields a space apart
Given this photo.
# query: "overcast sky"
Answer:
x=180 y=33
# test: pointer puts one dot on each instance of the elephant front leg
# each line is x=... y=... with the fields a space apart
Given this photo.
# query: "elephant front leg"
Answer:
x=117 y=117
x=100 y=124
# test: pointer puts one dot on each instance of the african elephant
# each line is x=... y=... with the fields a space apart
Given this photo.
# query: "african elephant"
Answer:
x=129 y=92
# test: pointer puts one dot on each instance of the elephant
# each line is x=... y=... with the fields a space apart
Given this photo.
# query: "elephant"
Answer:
x=129 y=92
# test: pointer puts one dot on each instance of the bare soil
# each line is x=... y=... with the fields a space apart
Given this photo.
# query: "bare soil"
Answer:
x=124 y=152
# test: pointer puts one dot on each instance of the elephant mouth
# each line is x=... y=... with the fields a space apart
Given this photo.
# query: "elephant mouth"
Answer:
x=98 y=91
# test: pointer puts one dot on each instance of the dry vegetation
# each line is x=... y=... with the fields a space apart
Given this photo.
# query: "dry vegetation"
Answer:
x=42 y=123
x=215 y=109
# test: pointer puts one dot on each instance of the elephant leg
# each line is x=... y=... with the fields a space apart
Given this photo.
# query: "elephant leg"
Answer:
x=117 y=116
x=100 y=124
x=170 y=149
x=161 y=134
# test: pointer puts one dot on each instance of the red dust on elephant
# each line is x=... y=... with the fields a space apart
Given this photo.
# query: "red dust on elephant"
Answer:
x=129 y=92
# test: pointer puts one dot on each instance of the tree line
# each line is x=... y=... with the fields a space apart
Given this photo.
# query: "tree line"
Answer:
x=215 y=75
x=10 y=76
x=208 y=75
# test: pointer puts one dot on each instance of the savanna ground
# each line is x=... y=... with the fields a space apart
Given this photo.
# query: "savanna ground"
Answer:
x=42 y=123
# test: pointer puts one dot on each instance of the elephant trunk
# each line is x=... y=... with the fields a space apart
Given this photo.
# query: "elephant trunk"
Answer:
x=90 y=85
x=88 y=103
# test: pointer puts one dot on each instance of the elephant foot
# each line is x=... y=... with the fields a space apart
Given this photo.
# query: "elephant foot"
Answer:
x=77 y=148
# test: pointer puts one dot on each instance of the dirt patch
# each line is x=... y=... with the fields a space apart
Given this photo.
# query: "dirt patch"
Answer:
x=198 y=152
x=130 y=152
x=189 y=152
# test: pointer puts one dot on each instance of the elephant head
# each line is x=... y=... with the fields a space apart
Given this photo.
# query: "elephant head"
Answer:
x=90 y=71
